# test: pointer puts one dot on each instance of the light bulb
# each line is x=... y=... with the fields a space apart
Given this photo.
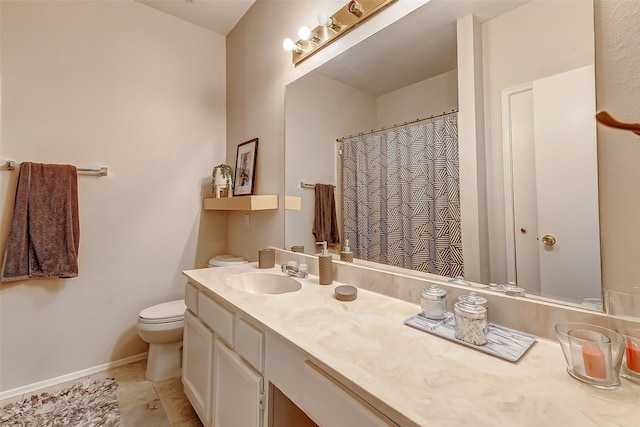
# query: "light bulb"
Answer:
x=324 y=19
x=356 y=8
x=304 y=33
x=329 y=21
x=288 y=45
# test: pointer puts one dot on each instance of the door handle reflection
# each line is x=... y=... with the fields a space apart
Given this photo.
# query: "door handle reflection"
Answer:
x=548 y=240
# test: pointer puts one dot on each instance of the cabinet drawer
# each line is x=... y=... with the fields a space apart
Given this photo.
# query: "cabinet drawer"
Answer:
x=250 y=344
x=191 y=298
x=219 y=319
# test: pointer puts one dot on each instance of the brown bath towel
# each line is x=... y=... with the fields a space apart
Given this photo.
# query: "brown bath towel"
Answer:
x=45 y=229
x=325 y=224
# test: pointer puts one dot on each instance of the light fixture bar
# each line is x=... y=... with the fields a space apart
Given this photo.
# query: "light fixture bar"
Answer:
x=338 y=24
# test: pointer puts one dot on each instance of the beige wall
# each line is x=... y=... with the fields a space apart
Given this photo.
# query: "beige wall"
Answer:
x=431 y=96
x=618 y=91
x=255 y=108
x=121 y=85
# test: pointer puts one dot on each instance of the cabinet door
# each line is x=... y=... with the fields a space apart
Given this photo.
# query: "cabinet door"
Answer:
x=237 y=390
x=197 y=365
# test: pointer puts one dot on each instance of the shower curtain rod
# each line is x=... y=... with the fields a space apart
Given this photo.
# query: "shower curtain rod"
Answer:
x=395 y=126
x=11 y=165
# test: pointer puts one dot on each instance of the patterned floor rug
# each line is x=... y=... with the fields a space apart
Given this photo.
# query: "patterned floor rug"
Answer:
x=87 y=404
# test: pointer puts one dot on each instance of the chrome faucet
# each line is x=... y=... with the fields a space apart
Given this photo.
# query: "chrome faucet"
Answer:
x=295 y=270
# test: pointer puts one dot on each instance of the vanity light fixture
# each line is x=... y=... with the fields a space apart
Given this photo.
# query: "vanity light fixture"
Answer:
x=331 y=27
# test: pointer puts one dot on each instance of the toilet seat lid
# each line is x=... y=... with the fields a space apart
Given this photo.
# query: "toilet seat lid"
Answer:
x=226 y=260
x=166 y=312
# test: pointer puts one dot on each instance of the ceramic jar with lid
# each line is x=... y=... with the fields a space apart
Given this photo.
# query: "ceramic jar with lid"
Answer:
x=434 y=302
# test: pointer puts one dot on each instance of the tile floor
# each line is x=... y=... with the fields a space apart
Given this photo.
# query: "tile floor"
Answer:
x=142 y=403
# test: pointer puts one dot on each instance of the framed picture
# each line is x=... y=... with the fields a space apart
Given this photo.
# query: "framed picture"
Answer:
x=245 y=168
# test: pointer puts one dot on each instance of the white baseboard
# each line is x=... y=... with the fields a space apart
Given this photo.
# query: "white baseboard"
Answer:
x=70 y=377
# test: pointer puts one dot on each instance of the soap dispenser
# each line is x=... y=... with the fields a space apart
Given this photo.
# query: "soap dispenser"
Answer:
x=325 y=265
x=346 y=254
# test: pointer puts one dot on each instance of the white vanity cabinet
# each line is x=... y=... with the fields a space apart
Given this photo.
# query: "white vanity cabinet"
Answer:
x=230 y=362
x=223 y=358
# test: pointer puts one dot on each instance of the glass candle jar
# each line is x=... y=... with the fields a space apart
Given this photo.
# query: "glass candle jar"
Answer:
x=471 y=323
x=434 y=302
x=591 y=354
x=631 y=364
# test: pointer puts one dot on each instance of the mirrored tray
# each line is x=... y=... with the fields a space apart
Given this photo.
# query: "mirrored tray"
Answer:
x=505 y=343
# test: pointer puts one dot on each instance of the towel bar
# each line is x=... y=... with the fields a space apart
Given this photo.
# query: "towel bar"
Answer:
x=11 y=165
x=307 y=185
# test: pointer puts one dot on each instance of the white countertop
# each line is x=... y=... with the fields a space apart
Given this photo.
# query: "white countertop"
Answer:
x=427 y=380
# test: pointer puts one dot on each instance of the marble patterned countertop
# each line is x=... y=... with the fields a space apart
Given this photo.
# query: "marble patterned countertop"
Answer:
x=417 y=378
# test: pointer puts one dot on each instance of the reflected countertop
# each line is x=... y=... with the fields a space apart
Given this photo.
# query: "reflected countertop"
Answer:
x=417 y=378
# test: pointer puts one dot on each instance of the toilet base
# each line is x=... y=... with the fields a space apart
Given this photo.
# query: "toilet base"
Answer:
x=164 y=361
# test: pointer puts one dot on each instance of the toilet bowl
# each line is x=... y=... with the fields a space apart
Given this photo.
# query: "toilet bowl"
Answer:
x=162 y=326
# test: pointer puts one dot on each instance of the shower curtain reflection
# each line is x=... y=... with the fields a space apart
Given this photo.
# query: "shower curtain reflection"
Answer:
x=401 y=203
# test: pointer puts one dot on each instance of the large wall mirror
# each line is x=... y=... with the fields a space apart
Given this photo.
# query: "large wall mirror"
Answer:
x=534 y=219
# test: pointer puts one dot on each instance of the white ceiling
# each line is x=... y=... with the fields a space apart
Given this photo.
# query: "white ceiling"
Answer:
x=219 y=16
x=419 y=46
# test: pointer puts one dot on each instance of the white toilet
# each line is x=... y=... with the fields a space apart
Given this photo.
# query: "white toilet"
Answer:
x=162 y=326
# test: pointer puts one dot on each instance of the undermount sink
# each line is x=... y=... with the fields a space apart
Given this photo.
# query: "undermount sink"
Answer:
x=263 y=283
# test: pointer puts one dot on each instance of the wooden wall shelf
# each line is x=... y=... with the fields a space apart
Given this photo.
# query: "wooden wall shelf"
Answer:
x=292 y=203
x=241 y=203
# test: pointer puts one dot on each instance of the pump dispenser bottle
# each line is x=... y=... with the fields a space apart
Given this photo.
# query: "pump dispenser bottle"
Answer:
x=346 y=254
x=325 y=265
